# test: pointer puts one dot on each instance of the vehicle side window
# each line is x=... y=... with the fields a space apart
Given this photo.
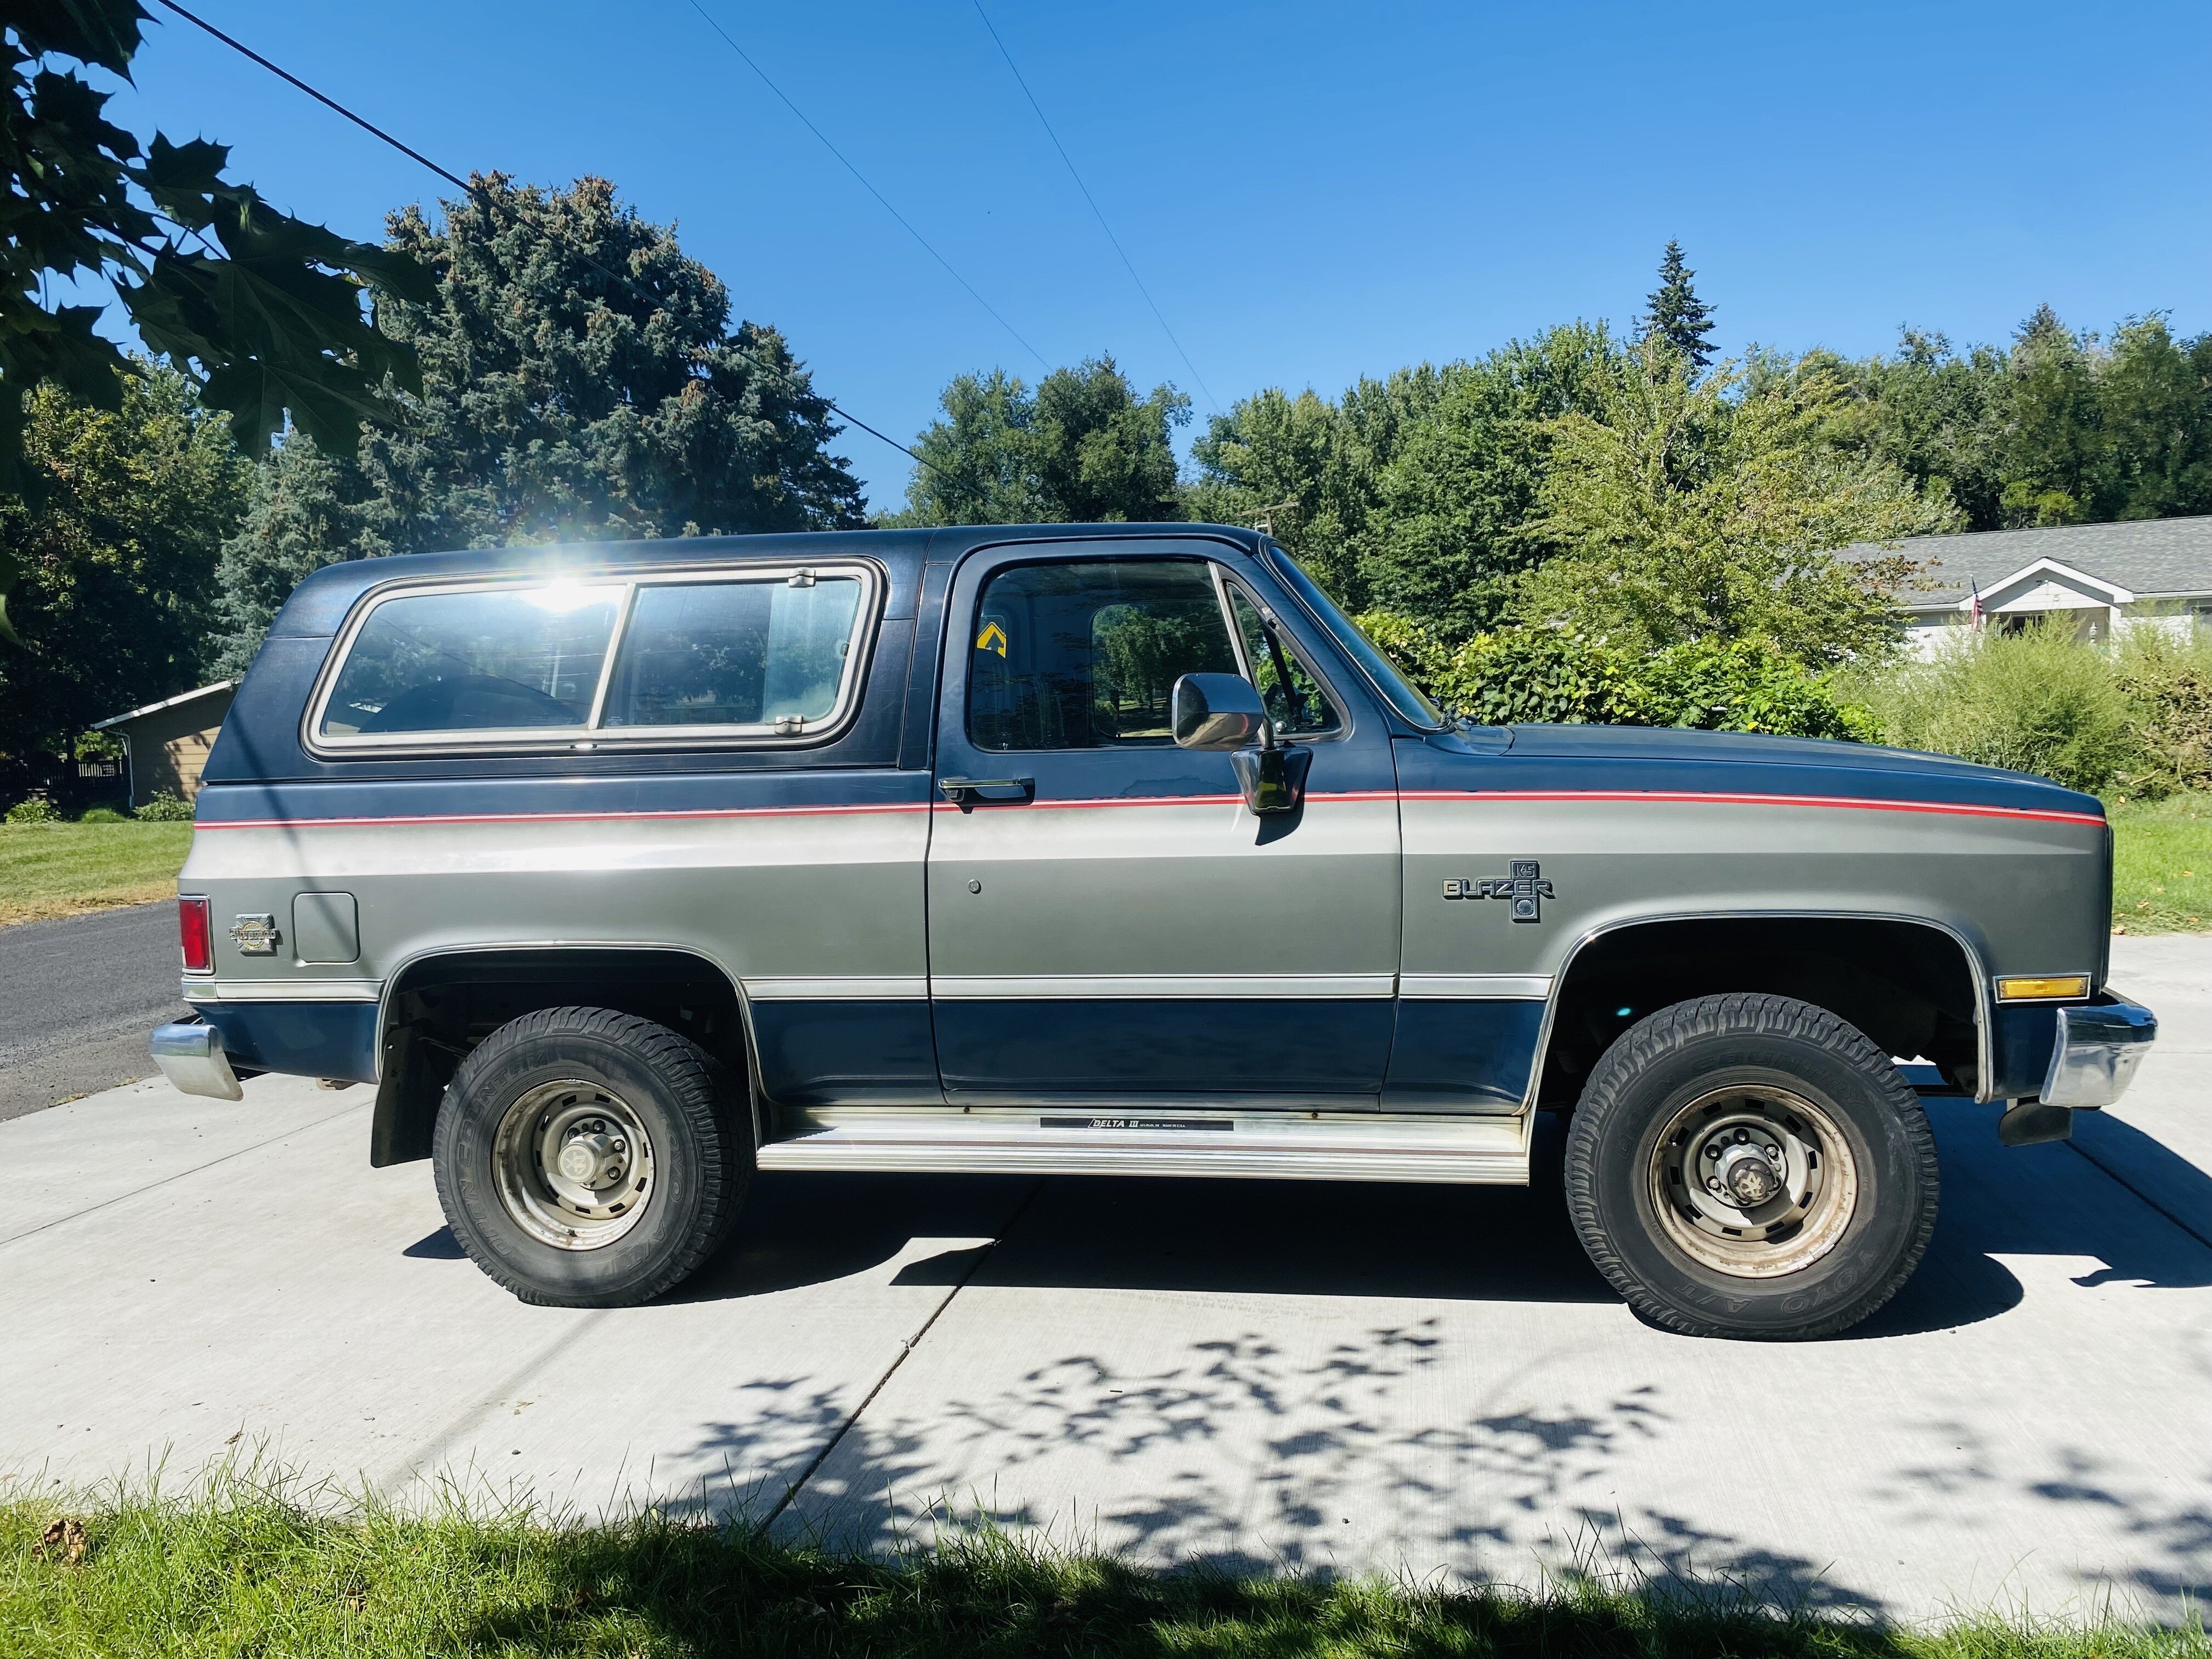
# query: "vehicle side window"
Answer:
x=1296 y=703
x=733 y=653
x=757 y=656
x=498 y=658
x=1086 y=655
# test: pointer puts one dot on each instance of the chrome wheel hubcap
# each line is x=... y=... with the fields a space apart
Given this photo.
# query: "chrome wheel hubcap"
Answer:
x=1753 y=1181
x=573 y=1165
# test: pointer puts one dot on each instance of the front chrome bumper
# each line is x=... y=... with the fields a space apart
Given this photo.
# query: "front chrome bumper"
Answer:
x=191 y=1056
x=2098 y=1048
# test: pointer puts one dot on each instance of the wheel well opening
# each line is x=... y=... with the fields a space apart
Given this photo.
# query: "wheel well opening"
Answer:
x=1908 y=985
x=440 y=1008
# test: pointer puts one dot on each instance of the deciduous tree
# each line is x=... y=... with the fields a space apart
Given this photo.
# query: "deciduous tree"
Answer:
x=262 y=311
x=117 y=545
x=1083 y=447
x=1683 y=513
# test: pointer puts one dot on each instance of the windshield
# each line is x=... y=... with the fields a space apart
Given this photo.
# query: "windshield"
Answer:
x=1403 y=697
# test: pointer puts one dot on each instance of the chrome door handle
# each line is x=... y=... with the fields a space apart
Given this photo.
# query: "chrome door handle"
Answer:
x=966 y=791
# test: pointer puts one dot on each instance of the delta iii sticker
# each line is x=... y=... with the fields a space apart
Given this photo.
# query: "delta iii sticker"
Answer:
x=1523 y=887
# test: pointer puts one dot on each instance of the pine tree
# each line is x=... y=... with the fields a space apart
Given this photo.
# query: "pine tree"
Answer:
x=305 y=511
x=1678 y=318
x=559 y=403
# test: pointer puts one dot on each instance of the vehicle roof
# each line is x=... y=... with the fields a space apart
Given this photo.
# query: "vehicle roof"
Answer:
x=318 y=605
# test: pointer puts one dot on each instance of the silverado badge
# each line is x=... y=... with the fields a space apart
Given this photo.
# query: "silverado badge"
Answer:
x=1523 y=886
x=255 y=936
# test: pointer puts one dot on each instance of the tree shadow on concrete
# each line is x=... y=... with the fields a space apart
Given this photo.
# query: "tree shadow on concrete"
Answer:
x=1363 y=1441
x=1328 y=1486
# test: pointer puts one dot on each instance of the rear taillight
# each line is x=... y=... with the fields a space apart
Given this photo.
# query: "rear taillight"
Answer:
x=195 y=934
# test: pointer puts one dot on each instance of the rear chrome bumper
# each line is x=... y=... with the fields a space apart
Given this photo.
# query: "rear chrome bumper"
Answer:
x=2097 y=1051
x=191 y=1056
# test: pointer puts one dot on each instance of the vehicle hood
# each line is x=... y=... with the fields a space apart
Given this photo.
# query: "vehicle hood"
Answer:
x=1667 y=758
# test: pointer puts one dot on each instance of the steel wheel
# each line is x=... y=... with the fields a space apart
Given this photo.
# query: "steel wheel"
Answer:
x=572 y=1164
x=1753 y=1181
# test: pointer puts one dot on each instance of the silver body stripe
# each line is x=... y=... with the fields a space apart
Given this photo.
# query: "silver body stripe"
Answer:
x=848 y=987
x=283 y=990
x=1162 y=987
x=1529 y=987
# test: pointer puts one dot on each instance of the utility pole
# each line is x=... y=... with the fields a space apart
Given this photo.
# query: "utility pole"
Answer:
x=1265 y=524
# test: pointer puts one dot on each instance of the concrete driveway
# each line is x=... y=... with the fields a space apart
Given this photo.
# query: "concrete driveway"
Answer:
x=1347 y=1378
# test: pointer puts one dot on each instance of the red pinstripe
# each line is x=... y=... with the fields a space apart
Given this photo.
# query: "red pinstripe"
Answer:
x=1719 y=797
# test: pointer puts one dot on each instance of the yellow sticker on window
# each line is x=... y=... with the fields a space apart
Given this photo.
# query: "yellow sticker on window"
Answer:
x=993 y=638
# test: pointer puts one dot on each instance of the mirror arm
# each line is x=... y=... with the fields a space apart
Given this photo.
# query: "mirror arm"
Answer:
x=1272 y=780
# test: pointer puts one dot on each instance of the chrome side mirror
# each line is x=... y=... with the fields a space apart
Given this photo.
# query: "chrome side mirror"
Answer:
x=1224 y=711
x=1219 y=711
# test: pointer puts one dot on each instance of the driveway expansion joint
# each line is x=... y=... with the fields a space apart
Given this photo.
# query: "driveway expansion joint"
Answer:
x=197 y=1169
x=906 y=1348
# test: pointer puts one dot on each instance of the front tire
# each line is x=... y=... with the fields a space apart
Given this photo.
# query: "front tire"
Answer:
x=587 y=1159
x=1750 y=1166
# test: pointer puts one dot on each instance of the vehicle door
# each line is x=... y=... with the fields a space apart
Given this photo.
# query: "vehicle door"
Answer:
x=1106 y=918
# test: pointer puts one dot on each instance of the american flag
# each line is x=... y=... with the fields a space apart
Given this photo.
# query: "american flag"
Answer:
x=1974 y=613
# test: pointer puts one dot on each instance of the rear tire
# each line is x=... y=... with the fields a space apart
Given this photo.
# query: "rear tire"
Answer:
x=1750 y=1166
x=587 y=1159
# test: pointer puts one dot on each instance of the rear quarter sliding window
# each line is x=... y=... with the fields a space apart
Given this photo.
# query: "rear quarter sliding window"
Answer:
x=755 y=656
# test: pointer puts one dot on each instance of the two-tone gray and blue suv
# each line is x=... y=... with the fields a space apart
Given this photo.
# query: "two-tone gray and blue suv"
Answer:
x=622 y=871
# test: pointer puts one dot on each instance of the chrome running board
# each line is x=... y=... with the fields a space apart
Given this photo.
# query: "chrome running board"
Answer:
x=1161 y=1141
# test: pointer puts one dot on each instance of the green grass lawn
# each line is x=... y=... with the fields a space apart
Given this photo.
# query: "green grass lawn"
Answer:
x=2162 y=866
x=245 y=1571
x=61 y=869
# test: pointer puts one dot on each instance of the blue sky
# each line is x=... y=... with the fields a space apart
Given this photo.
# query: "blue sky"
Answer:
x=1311 y=192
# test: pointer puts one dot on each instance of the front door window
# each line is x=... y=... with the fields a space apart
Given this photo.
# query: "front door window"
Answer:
x=1086 y=655
x=1296 y=701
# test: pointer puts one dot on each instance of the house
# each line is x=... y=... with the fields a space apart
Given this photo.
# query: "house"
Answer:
x=167 y=742
x=2102 y=578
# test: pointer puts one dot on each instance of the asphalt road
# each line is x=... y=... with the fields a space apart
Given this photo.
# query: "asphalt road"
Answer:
x=81 y=994
x=1429 y=1381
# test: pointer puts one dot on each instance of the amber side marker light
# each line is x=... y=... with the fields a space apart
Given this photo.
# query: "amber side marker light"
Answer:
x=195 y=935
x=2043 y=988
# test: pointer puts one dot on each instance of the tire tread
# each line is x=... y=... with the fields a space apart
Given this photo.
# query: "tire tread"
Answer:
x=1736 y=1013
x=698 y=1090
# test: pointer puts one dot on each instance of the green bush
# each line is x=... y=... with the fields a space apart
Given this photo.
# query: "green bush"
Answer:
x=2036 y=700
x=166 y=808
x=1531 y=676
x=1742 y=685
x=2168 y=679
x=1559 y=676
x=102 y=815
x=33 y=810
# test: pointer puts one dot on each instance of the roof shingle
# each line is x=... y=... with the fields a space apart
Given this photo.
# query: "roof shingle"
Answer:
x=2153 y=558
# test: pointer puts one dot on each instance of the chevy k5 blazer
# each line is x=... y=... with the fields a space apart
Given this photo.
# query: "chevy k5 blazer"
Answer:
x=622 y=871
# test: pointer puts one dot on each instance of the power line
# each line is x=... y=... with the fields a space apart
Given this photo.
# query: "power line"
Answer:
x=484 y=196
x=1087 y=196
x=282 y=74
x=730 y=41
